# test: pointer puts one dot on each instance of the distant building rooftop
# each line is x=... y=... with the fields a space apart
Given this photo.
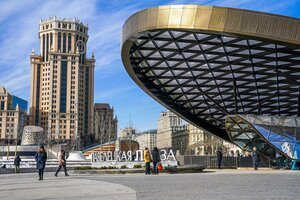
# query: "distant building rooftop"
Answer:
x=55 y=18
x=102 y=105
x=3 y=90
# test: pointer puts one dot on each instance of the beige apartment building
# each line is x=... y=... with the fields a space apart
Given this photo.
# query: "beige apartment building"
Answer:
x=180 y=140
x=127 y=133
x=147 y=139
x=62 y=80
x=202 y=143
x=168 y=124
x=184 y=138
x=105 y=123
x=10 y=119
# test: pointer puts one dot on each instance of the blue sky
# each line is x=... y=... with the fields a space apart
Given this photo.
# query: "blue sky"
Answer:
x=19 y=21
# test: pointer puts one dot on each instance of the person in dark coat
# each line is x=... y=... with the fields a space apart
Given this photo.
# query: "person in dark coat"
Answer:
x=219 y=157
x=62 y=163
x=41 y=158
x=155 y=159
x=17 y=162
x=255 y=158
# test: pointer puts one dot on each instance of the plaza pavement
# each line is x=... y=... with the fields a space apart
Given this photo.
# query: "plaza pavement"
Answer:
x=210 y=185
x=28 y=187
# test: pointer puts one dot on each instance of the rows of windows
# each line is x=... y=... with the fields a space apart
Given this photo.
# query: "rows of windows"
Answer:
x=65 y=26
x=47 y=40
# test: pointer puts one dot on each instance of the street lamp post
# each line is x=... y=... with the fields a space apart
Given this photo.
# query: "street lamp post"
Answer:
x=181 y=146
x=7 y=156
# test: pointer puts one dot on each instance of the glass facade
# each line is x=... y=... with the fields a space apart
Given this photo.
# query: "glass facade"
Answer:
x=268 y=133
x=23 y=104
x=63 y=86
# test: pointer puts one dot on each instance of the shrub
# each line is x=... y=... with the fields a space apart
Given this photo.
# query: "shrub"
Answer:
x=103 y=167
x=83 y=168
x=170 y=169
x=137 y=166
x=123 y=167
x=111 y=167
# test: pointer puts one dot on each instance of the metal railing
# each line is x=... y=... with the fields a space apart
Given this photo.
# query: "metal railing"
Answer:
x=227 y=161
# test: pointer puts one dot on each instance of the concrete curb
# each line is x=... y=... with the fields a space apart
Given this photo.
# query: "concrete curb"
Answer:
x=170 y=170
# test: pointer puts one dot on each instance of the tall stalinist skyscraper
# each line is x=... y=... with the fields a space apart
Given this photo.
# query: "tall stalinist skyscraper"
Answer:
x=62 y=80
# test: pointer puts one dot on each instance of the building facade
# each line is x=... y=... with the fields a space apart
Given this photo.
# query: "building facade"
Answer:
x=105 y=123
x=127 y=133
x=168 y=123
x=202 y=143
x=147 y=139
x=184 y=138
x=10 y=119
x=180 y=140
x=62 y=80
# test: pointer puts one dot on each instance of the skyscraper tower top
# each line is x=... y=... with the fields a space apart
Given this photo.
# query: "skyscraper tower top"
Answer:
x=61 y=35
x=63 y=24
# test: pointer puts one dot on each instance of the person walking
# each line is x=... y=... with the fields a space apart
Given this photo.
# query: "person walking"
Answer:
x=41 y=158
x=219 y=157
x=155 y=159
x=17 y=162
x=62 y=163
x=147 y=159
x=255 y=158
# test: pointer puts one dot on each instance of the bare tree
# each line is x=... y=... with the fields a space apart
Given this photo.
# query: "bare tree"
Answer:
x=42 y=137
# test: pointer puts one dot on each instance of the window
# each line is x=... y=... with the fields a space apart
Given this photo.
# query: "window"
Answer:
x=44 y=45
x=47 y=47
x=1 y=105
x=63 y=82
x=64 y=42
x=69 y=42
x=59 y=41
x=51 y=40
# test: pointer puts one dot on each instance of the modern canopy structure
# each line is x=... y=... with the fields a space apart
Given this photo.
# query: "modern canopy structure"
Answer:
x=208 y=63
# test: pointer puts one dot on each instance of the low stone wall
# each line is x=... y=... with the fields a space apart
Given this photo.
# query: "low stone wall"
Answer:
x=129 y=164
x=29 y=170
x=168 y=169
x=29 y=166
